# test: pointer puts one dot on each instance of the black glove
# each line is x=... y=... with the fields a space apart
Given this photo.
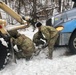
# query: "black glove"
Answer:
x=39 y=42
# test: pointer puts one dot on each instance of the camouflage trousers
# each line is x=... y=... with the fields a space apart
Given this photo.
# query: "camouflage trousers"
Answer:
x=51 y=44
x=21 y=54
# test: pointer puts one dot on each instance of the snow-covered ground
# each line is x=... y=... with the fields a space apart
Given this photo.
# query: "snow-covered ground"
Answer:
x=41 y=65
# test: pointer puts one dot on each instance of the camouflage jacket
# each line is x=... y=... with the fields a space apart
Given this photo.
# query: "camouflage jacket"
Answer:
x=24 y=43
x=49 y=32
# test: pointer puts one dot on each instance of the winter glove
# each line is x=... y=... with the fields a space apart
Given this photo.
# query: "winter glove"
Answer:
x=39 y=42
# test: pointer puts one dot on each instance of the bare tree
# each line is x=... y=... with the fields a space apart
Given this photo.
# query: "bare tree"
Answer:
x=36 y=8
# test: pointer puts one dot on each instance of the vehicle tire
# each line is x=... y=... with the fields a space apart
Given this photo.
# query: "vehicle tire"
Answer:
x=72 y=43
x=3 y=55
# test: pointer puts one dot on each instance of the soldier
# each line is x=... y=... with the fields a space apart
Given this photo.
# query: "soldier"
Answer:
x=25 y=45
x=50 y=35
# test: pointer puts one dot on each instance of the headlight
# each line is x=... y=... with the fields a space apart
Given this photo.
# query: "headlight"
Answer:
x=59 y=28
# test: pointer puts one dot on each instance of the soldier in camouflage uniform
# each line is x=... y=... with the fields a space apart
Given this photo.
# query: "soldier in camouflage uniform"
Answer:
x=50 y=34
x=24 y=44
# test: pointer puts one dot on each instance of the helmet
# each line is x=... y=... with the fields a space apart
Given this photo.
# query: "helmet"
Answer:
x=13 y=33
x=2 y=22
x=38 y=24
